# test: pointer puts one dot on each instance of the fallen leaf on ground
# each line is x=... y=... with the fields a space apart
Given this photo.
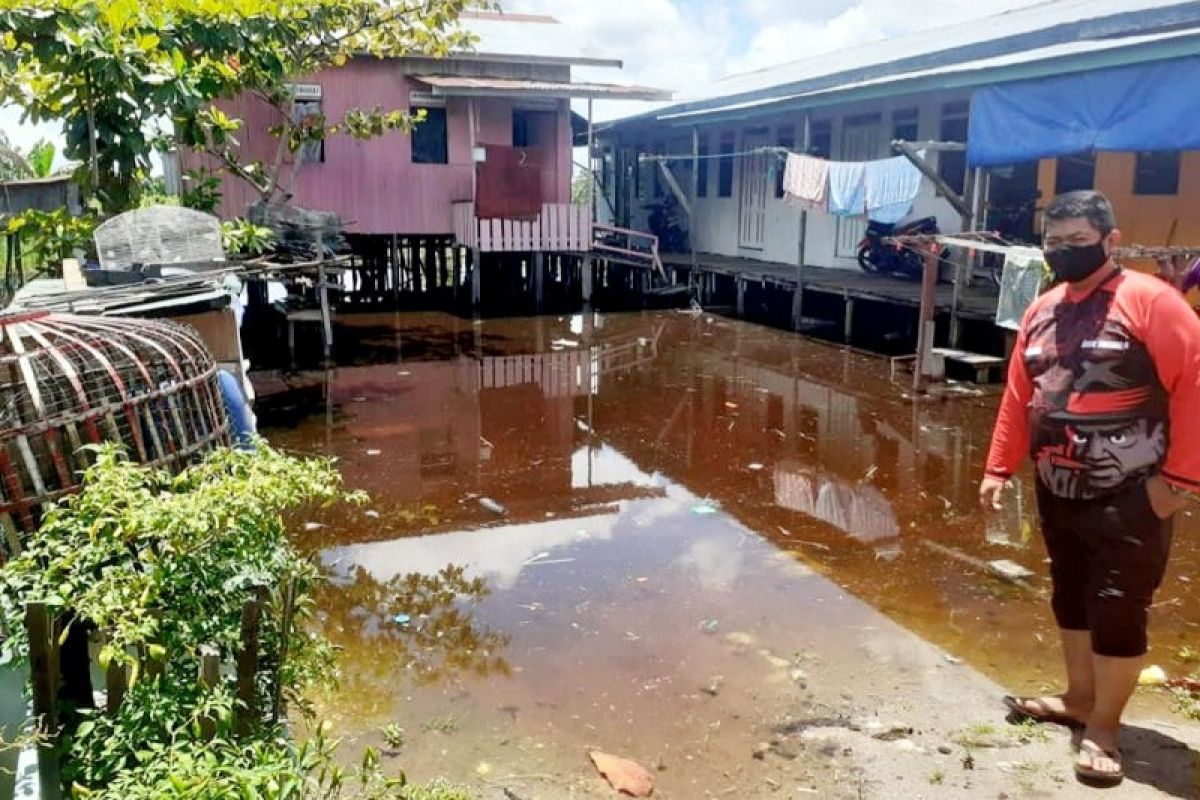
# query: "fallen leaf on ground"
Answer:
x=624 y=775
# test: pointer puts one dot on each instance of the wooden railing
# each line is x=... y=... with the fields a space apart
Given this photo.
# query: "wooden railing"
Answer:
x=629 y=246
x=560 y=227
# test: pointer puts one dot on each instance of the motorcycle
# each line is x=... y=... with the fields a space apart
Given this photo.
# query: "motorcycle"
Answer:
x=669 y=223
x=877 y=256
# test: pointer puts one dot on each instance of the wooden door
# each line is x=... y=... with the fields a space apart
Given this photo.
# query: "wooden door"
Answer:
x=752 y=190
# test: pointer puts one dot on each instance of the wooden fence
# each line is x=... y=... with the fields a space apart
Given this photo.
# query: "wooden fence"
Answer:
x=559 y=228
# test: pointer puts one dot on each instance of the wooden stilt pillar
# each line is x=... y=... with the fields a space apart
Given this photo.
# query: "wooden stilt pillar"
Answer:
x=848 y=326
x=925 y=323
x=539 y=280
x=476 y=277
x=741 y=297
x=586 y=280
x=798 y=307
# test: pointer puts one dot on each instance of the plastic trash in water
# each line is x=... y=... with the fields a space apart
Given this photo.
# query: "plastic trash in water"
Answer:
x=1004 y=525
x=402 y=619
x=704 y=508
x=1152 y=675
x=492 y=506
x=709 y=625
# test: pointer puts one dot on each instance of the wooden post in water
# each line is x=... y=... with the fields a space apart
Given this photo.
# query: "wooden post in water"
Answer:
x=585 y=266
x=43 y=667
x=539 y=279
x=476 y=277
x=925 y=323
x=848 y=326
x=741 y=298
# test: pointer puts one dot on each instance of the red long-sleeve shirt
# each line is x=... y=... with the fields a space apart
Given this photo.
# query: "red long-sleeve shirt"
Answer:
x=1104 y=389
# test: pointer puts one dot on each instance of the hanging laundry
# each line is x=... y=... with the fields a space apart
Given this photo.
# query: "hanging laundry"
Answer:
x=1020 y=284
x=806 y=182
x=847 y=188
x=892 y=187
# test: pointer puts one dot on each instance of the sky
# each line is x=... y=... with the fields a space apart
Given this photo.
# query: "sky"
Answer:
x=681 y=45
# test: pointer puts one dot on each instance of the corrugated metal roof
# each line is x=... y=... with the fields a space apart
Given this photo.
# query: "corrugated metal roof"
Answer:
x=984 y=68
x=530 y=38
x=460 y=86
x=1034 y=29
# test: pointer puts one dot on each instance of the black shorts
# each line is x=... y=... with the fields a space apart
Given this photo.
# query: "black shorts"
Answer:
x=1107 y=557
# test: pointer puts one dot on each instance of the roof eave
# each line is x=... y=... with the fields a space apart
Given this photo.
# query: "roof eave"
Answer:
x=964 y=79
x=518 y=58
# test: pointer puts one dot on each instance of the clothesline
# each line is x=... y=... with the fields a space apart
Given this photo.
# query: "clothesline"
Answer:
x=781 y=152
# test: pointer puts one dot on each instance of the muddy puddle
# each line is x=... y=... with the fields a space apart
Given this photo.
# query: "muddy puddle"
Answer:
x=662 y=535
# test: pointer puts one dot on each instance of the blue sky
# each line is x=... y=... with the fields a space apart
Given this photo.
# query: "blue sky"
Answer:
x=684 y=44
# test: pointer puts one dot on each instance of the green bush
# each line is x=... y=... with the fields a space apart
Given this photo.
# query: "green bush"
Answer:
x=162 y=564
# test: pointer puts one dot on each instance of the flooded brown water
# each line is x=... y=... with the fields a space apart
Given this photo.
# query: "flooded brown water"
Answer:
x=649 y=533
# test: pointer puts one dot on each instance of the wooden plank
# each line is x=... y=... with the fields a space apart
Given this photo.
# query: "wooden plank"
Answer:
x=247 y=661
x=43 y=667
x=285 y=633
x=210 y=676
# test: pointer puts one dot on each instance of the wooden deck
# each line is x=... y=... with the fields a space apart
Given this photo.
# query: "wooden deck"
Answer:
x=978 y=303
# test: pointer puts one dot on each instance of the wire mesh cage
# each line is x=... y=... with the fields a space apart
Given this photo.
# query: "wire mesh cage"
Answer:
x=68 y=381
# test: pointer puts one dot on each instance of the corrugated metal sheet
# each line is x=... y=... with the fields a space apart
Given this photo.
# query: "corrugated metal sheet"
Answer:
x=984 y=71
x=1039 y=27
x=529 y=38
x=460 y=86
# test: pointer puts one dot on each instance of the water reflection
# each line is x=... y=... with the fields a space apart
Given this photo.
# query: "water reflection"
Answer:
x=860 y=511
x=582 y=427
x=419 y=625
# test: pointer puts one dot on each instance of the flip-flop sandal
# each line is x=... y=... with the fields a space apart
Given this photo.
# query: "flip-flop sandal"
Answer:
x=1021 y=713
x=1095 y=778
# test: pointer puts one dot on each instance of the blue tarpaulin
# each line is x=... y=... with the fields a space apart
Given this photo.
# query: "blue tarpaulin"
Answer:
x=1153 y=106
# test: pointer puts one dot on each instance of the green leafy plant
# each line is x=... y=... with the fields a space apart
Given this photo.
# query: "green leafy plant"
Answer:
x=242 y=237
x=47 y=237
x=110 y=71
x=201 y=190
x=161 y=564
x=394 y=736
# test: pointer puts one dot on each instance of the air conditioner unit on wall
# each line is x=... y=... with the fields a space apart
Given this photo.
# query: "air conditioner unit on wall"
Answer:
x=305 y=91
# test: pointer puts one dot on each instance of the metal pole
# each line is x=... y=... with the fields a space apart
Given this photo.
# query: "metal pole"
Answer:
x=591 y=162
x=802 y=244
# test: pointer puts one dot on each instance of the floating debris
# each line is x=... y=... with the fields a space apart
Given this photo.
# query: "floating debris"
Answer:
x=704 y=508
x=709 y=625
x=1152 y=675
x=624 y=775
x=1009 y=570
x=402 y=619
x=491 y=505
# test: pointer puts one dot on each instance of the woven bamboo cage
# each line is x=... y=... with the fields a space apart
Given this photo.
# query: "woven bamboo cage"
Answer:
x=68 y=381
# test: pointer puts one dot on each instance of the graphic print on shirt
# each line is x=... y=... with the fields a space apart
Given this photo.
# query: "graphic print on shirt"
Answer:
x=1098 y=412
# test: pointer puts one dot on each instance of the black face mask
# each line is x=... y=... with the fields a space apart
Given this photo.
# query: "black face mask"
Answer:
x=1075 y=263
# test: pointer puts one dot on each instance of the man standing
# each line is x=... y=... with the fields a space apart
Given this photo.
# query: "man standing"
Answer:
x=1104 y=394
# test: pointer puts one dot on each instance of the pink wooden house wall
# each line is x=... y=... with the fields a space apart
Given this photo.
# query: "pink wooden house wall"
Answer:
x=373 y=185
